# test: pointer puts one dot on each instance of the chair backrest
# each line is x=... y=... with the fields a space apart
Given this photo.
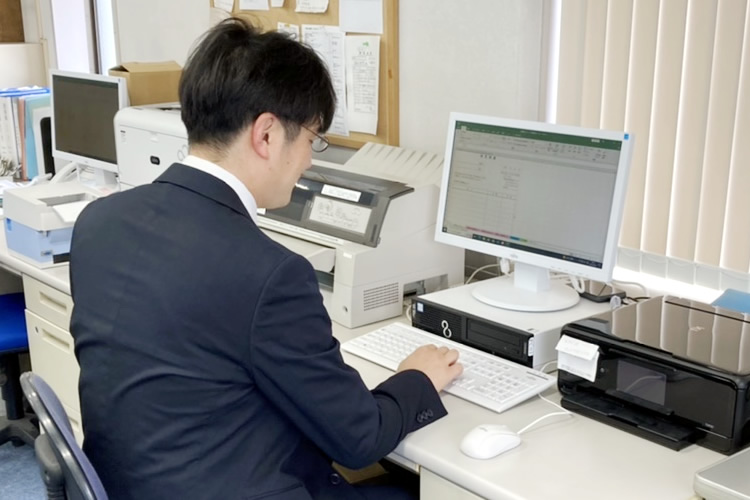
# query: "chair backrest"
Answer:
x=81 y=480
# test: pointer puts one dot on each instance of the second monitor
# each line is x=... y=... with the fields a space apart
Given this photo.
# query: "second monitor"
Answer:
x=83 y=114
x=547 y=197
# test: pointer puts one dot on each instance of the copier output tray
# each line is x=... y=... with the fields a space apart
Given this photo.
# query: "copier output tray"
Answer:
x=658 y=429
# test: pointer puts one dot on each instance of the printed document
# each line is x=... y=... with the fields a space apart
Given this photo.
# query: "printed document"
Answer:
x=362 y=71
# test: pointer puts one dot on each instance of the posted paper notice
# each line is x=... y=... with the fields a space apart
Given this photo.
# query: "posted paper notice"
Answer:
x=292 y=29
x=328 y=42
x=253 y=4
x=361 y=16
x=362 y=72
x=312 y=6
x=226 y=5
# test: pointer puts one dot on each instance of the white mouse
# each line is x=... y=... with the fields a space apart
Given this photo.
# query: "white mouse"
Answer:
x=487 y=441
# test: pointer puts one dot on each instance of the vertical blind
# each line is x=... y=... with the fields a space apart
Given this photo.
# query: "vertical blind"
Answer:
x=676 y=74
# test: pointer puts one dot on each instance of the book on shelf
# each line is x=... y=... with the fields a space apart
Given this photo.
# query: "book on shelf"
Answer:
x=13 y=129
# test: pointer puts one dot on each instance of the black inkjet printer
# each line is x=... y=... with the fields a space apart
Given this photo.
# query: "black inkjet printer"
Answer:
x=671 y=370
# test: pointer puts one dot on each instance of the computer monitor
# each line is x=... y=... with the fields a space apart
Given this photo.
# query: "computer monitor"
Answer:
x=83 y=114
x=548 y=197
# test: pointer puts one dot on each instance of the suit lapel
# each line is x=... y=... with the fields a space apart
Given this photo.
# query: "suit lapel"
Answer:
x=203 y=184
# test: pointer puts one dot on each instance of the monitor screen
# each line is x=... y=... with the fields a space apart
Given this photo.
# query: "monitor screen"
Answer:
x=83 y=113
x=548 y=197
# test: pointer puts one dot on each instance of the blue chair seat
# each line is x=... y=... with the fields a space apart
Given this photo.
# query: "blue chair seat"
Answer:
x=12 y=323
x=16 y=426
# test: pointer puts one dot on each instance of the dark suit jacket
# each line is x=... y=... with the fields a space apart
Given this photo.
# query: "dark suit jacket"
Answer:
x=208 y=368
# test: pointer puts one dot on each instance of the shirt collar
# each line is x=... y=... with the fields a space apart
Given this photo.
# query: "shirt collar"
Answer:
x=246 y=197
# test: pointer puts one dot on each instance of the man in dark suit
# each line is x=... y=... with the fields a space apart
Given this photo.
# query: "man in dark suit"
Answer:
x=208 y=368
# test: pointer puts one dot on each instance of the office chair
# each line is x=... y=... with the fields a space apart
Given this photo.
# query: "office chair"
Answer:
x=16 y=426
x=66 y=471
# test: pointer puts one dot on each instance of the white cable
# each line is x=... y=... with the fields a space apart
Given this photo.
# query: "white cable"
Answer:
x=504 y=265
x=576 y=283
x=553 y=403
x=635 y=284
x=479 y=269
x=553 y=414
x=545 y=365
x=409 y=311
x=614 y=302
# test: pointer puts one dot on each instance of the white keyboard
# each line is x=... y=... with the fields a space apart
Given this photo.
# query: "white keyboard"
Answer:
x=488 y=381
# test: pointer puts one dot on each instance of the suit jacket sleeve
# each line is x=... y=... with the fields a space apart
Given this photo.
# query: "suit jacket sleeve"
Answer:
x=297 y=365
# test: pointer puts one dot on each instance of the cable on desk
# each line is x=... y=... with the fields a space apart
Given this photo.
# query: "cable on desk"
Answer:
x=635 y=284
x=633 y=300
x=575 y=282
x=409 y=310
x=545 y=365
x=553 y=414
x=468 y=280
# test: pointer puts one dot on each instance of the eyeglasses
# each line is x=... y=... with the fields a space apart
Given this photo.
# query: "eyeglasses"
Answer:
x=320 y=143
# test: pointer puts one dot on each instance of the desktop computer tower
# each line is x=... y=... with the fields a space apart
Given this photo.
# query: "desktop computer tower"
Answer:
x=527 y=338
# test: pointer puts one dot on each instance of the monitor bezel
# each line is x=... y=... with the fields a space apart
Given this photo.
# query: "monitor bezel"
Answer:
x=123 y=102
x=609 y=258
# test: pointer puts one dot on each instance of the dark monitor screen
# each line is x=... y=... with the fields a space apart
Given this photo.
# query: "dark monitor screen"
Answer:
x=84 y=108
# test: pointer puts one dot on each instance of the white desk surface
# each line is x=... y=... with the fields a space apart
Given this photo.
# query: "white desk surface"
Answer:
x=563 y=457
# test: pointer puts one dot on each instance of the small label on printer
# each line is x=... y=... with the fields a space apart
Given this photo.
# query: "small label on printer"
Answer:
x=342 y=193
x=577 y=357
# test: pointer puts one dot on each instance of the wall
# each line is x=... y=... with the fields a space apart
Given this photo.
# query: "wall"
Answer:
x=30 y=21
x=23 y=64
x=158 y=30
x=483 y=56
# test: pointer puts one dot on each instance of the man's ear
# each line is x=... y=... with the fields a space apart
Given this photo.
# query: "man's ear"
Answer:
x=261 y=134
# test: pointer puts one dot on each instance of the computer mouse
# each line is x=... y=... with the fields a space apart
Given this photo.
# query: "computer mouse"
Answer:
x=487 y=441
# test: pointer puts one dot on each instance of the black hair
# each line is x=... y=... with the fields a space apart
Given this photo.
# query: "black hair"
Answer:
x=236 y=72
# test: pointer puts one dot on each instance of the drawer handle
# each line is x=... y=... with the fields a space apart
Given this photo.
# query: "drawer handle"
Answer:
x=54 y=339
x=52 y=303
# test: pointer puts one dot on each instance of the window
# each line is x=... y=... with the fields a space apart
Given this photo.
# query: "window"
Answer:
x=675 y=73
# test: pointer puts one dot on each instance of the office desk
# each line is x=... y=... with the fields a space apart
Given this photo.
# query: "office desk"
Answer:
x=562 y=457
x=51 y=347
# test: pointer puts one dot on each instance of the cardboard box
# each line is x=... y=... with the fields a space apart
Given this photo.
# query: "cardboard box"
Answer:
x=151 y=82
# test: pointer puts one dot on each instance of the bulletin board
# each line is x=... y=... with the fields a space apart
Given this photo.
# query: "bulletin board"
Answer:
x=388 y=119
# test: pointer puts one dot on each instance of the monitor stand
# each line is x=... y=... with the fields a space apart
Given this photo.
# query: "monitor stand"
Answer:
x=529 y=288
x=104 y=178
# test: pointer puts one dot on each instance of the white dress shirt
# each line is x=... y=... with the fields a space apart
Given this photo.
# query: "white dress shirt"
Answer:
x=210 y=168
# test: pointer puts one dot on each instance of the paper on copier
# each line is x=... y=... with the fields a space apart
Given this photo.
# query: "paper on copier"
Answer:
x=69 y=212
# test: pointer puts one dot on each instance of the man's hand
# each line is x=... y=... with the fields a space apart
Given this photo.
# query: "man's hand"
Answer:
x=440 y=364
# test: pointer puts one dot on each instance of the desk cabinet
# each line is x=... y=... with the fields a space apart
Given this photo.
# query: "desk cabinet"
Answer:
x=51 y=345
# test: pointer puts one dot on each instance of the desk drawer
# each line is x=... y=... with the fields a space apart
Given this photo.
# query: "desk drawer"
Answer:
x=47 y=302
x=74 y=417
x=75 y=423
x=53 y=359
